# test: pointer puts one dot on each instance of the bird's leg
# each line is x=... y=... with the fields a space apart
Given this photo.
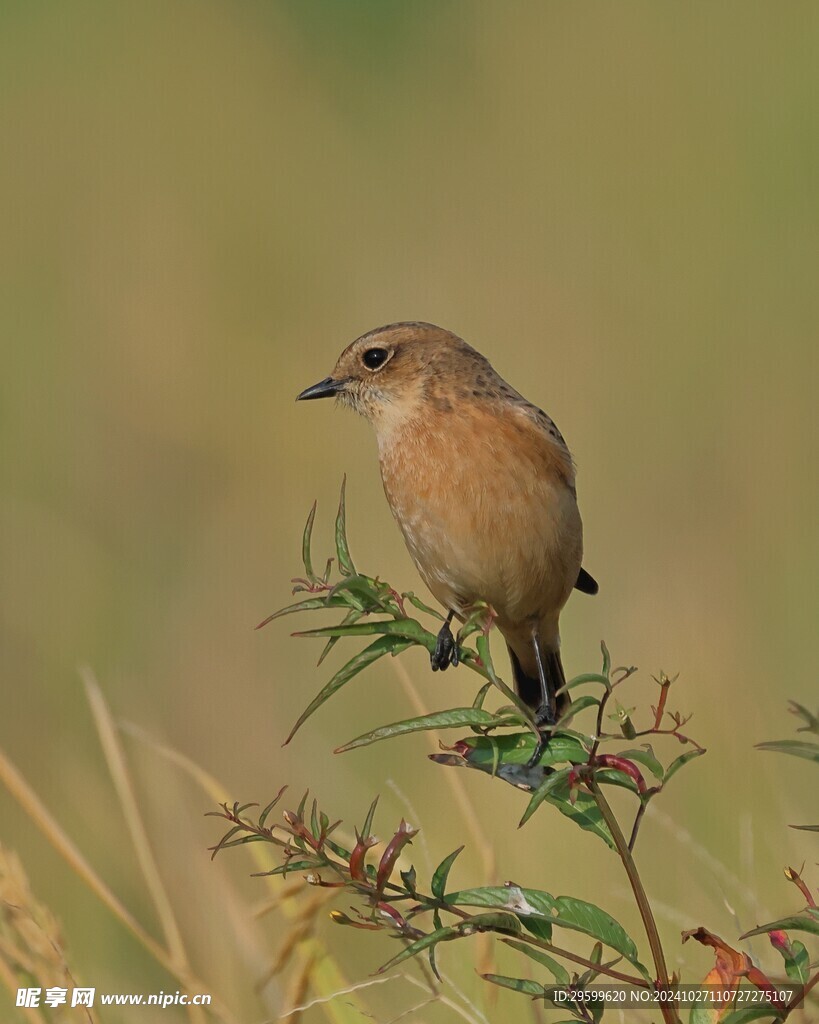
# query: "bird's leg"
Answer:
x=446 y=649
x=546 y=711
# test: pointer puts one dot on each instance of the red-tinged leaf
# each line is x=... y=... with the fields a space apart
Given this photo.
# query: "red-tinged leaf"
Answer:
x=731 y=965
x=645 y=756
x=341 y=918
x=402 y=837
x=622 y=764
x=794 y=954
x=363 y=843
x=377 y=649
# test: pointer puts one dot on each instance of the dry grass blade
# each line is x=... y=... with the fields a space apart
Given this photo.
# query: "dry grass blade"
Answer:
x=39 y=814
x=117 y=766
x=327 y=978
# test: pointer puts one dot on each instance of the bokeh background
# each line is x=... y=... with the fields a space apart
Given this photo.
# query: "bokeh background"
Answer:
x=202 y=203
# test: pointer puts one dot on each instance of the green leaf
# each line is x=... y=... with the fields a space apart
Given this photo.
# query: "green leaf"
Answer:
x=543 y=790
x=377 y=649
x=306 y=556
x=528 y=988
x=576 y=706
x=482 y=646
x=345 y=562
x=366 y=831
x=439 y=879
x=797 y=962
x=503 y=923
x=678 y=762
x=563 y=911
x=517 y=748
x=644 y=755
x=798 y=748
x=557 y=970
x=606 y=661
x=582 y=808
x=480 y=696
x=451 y=719
x=809 y=923
x=352 y=616
x=811 y=721
x=748 y=1014
x=587 y=677
x=419 y=604
x=409 y=629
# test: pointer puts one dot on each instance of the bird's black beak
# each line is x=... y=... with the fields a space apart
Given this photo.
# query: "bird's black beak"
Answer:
x=324 y=389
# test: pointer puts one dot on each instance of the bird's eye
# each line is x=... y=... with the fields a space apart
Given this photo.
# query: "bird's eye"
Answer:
x=375 y=357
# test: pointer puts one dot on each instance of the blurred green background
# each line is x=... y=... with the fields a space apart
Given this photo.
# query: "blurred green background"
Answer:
x=202 y=203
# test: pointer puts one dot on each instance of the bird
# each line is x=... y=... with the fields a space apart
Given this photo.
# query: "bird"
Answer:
x=482 y=485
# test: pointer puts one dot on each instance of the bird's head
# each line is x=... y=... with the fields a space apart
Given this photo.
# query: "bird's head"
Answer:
x=395 y=372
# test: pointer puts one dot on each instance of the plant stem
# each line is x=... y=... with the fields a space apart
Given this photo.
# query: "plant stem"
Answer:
x=629 y=979
x=670 y=1015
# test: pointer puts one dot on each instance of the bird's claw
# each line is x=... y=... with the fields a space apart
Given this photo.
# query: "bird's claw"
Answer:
x=446 y=650
x=545 y=720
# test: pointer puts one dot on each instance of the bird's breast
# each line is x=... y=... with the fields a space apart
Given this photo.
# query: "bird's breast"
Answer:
x=486 y=509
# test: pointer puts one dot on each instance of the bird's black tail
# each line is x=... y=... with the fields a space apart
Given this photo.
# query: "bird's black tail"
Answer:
x=530 y=689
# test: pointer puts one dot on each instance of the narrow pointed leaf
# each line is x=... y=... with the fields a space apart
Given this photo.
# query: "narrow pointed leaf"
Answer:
x=352 y=616
x=306 y=555
x=419 y=604
x=377 y=649
x=678 y=762
x=345 y=562
x=366 y=831
x=809 y=923
x=543 y=790
x=451 y=719
x=504 y=923
x=528 y=988
x=439 y=879
x=308 y=605
x=556 y=969
x=798 y=748
x=407 y=628
x=270 y=806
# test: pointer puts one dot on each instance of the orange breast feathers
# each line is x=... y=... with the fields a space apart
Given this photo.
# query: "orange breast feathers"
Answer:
x=485 y=499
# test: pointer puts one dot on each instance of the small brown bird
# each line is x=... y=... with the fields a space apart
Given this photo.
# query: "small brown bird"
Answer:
x=481 y=484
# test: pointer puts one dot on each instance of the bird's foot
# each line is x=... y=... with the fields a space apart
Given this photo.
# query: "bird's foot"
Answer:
x=545 y=717
x=446 y=650
x=545 y=720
